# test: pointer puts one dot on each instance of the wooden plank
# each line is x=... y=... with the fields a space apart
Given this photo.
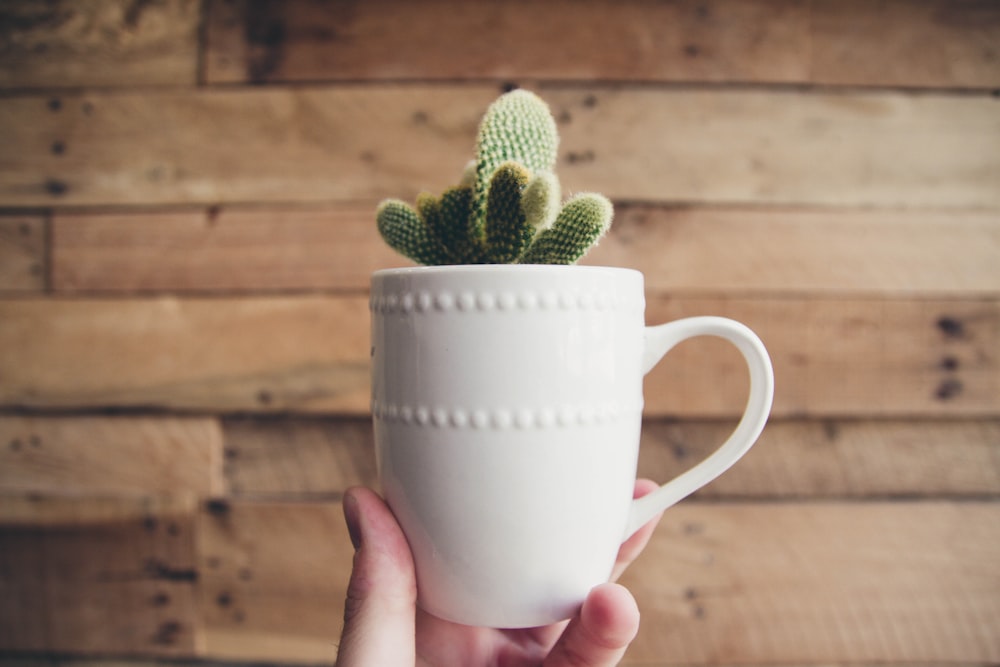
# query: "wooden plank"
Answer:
x=759 y=583
x=794 y=459
x=885 y=43
x=359 y=143
x=677 y=41
x=219 y=249
x=297 y=457
x=809 y=251
x=219 y=146
x=833 y=148
x=53 y=510
x=92 y=576
x=697 y=248
x=862 y=459
x=820 y=583
x=23 y=261
x=762 y=583
x=852 y=357
x=274 y=580
x=67 y=44
x=303 y=353
x=826 y=42
x=110 y=455
x=833 y=357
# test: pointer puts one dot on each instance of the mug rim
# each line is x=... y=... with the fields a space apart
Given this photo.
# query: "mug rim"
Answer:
x=480 y=269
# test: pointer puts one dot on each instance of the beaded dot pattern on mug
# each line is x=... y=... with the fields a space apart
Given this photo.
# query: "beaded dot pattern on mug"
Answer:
x=468 y=301
x=564 y=416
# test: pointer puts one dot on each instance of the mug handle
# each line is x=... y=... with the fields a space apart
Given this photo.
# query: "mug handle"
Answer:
x=658 y=341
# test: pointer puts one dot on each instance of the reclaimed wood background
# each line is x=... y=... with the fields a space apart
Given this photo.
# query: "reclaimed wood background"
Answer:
x=186 y=233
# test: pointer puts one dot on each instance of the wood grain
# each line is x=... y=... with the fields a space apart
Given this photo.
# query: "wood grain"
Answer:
x=832 y=357
x=787 y=41
x=794 y=459
x=359 y=143
x=274 y=580
x=864 y=357
x=679 y=41
x=186 y=238
x=98 y=576
x=900 y=581
x=297 y=457
x=23 y=253
x=66 y=44
x=303 y=353
x=232 y=249
x=885 y=43
x=820 y=583
x=253 y=145
x=111 y=455
x=722 y=249
x=835 y=459
x=814 y=252
x=831 y=148
x=720 y=583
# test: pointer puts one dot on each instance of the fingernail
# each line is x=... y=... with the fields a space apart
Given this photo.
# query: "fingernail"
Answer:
x=352 y=515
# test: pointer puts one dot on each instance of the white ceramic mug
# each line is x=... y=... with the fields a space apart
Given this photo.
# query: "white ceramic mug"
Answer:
x=507 y=404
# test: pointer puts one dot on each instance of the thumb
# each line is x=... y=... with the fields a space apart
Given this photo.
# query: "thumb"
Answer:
x=599 y=635
x=379 y=614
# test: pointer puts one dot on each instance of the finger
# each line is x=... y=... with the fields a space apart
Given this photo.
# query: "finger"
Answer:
x=601 y=632
x=379 y=613
x=634 y=545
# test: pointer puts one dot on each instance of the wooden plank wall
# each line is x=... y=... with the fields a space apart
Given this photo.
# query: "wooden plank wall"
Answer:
x=186 y=233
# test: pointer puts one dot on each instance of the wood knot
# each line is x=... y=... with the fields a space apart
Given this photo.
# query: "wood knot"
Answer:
x=951 y=327
x=217 y=506
x=168 y=633
x=581 y=157
x=56 y=187
x=949 y=389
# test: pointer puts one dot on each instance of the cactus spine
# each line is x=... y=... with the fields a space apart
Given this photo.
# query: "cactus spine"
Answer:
x=506 y=209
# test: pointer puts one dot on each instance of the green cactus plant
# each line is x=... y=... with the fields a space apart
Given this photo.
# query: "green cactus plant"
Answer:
x=506 y=209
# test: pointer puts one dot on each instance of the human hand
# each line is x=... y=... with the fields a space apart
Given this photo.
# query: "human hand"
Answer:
x=383 y=627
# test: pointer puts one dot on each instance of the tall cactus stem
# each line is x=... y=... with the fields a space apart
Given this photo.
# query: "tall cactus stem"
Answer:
x=517 y=127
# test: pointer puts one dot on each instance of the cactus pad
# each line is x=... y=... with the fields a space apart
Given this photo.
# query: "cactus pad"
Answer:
x=580 y=224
